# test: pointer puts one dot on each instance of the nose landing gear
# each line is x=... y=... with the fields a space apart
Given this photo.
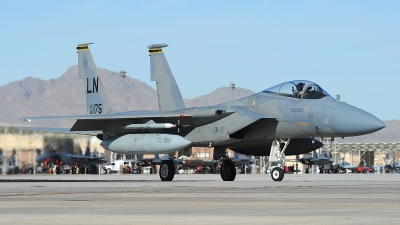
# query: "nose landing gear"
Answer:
x=277 y=158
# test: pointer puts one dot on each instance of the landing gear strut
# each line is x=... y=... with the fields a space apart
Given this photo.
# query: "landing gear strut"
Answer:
x=167 y=170
x=276 y=159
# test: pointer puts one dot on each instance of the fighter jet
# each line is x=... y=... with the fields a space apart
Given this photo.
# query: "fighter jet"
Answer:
x=262 y=124
x=316 y=159
x=240 y=159
x=392 y=166
x=344 y=166
x=64 y=157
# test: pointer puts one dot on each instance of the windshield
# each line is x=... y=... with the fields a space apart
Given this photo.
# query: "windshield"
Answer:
x=314 y=92
x=301 y=89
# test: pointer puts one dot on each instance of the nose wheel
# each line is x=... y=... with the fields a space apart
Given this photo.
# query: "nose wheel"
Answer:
x=277 y=174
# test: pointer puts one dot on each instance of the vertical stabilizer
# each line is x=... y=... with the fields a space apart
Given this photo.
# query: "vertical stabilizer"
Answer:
x=169 y=95
x=96 y=98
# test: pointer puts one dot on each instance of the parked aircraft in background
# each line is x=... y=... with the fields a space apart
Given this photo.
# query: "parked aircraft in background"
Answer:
x=345 y=167
x=392 y=166
x=262 y=124
x=204 y=166
x=244 y=163
x=322 y=160
x=240 y=159
x=51 y=157
x=316 y=159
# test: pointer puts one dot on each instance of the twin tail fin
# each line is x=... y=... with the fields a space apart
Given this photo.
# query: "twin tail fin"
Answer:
x=169 y=95
x=96 y=98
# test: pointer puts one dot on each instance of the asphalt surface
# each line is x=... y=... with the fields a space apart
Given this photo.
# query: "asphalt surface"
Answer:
x=200 y=199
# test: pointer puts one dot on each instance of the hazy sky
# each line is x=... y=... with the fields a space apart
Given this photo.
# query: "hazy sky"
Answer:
x=347 y=47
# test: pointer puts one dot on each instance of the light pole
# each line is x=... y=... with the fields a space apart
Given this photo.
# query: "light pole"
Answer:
x=122 y=73
x=232 y=85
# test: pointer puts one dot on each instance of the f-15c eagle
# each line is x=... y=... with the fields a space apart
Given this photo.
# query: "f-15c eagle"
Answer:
x=278 y=121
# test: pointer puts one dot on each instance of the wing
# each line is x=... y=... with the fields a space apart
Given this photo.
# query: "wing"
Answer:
x=125 y=115
x=59 y=130
x=117 y=123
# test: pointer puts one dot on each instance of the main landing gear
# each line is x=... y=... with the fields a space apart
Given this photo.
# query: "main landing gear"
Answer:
x=277 y=158
x=167 y=170
x=228 y=170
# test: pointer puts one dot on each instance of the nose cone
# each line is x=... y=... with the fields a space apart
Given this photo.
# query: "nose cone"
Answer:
x=351 y=121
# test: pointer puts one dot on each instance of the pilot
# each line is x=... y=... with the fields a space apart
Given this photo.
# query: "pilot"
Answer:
x=306 y=91
x=299 y=89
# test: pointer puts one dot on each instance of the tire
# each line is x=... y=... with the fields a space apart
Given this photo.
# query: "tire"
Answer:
x=167 y=170
x=228 y=171
x=277 y=174
x=108 y=171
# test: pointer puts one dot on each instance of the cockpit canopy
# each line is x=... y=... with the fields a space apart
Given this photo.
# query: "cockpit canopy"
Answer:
x=298 y=89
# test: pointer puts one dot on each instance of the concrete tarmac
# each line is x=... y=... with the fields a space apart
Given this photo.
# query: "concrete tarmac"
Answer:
x=200 y=199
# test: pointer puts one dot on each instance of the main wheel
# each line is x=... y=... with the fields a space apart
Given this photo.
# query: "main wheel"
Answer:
x=228 y=170
x=277 y=174
x=167 y=170
x=108 y=171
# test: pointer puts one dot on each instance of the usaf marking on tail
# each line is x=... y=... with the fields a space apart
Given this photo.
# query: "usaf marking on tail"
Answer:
x=95 y=86
x=278 y=121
